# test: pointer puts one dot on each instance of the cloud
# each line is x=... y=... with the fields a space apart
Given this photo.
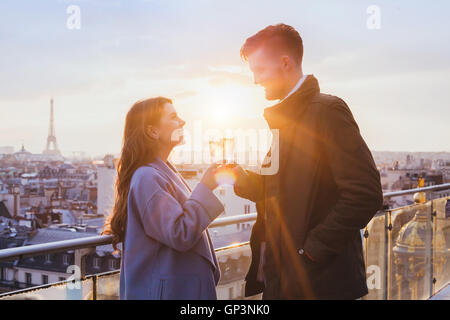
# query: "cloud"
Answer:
x=228 y=69
x=230 y=79
x=185 y=94
x=373 y=61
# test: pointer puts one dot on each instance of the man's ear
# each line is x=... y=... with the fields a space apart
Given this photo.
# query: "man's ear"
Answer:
x=286 y=62
x=152 y=132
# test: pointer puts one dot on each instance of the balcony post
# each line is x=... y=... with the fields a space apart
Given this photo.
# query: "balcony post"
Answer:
x=80 y=259
x=366 y=245
x=387 y=254
x=94 y=287
x=430 y=244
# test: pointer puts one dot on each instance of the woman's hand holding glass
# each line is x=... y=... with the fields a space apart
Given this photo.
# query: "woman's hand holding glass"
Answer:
x=209 y=177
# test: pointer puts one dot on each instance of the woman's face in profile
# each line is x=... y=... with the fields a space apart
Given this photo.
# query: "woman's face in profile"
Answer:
x=170 y=127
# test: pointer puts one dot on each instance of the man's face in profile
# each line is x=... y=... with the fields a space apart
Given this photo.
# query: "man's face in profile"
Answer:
x=267 y=68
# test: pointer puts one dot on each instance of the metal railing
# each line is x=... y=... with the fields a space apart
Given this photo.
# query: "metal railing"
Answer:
x=438 y=187
x=95 y=241
x=37 y=249
x=84 y=246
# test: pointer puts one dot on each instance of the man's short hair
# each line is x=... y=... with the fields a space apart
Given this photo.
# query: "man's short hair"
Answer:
x=280 y=36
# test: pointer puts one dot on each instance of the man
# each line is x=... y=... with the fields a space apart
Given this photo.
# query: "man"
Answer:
x=306 y=242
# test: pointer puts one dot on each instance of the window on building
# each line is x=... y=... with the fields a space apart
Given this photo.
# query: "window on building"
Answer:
x=226 y=270
x=238 y=266
x=44 y=279
x=96 y=263
x=246 y=208
x=112 y=264
x=61 y=279
x=47 y=258
x=27 y=278
x=65 y=259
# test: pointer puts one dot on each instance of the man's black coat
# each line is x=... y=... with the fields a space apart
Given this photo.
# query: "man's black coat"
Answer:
x=325 y=189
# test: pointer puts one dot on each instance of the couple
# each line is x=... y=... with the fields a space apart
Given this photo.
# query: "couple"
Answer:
x=306 y=241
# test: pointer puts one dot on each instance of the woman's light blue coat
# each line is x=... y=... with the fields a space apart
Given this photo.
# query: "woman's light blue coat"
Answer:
x=167 y=252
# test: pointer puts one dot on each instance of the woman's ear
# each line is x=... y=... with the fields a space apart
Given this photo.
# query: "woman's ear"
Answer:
x=152 y=132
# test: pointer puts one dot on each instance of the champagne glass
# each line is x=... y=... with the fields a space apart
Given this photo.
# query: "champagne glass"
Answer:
x=228 y=150
x=215 y=150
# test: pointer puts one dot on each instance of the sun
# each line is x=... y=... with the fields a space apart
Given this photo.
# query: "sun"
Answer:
x=225 y=103
x=221 y=114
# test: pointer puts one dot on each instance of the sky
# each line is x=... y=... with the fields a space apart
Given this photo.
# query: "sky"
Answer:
x=394 y=74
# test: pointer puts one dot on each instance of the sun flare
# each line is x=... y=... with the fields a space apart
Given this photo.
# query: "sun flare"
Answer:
x=226 y=103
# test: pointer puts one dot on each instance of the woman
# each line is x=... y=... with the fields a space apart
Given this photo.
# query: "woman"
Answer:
x=167 y=252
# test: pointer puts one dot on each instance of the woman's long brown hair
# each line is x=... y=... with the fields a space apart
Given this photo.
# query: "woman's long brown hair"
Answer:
x=138 y=149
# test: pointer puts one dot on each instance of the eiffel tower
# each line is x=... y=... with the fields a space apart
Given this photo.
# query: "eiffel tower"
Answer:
x=51 y=139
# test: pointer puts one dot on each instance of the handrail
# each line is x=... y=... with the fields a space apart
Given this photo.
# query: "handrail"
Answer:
x=410 y=191
x=94 y=241
x=45 y=248
x=55 y=246
x=220 y=222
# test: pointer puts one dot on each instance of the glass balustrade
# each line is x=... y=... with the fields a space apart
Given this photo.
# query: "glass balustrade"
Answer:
x=406 y=253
